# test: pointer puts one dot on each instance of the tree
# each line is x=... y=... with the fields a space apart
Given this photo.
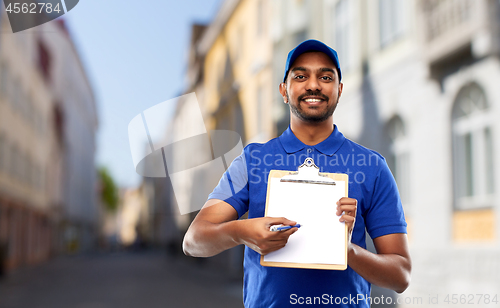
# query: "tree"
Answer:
x=109 y=191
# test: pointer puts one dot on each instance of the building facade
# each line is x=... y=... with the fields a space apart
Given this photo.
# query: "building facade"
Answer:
x=75 y=108
x=291 y=24
x=48 y=123
x=26 y=137
x=419 y=87
x=237 y=49
x=230 y=72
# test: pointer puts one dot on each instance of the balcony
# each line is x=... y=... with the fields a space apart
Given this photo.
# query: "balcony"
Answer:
x=446 y=16
x=455 y=32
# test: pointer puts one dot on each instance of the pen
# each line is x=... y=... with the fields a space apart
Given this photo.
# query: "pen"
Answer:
x=283 y=228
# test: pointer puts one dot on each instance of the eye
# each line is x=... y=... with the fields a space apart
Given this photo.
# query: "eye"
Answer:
x=327 y=78
x=299 y=77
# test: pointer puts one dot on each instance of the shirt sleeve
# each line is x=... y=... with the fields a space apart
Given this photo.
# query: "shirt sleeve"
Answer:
x=233 y=186
x=385 y=214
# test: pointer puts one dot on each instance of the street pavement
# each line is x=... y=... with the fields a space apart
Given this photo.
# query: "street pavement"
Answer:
x=120 y=280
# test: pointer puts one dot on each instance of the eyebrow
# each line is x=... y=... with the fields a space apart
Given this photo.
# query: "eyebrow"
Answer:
x=299 y=68
x=327 y=69
x=323 y=69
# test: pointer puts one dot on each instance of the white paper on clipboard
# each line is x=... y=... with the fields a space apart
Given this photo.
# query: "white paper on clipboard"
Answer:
x=321 y=239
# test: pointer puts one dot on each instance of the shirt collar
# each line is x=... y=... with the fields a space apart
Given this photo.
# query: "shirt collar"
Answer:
x=329 y=146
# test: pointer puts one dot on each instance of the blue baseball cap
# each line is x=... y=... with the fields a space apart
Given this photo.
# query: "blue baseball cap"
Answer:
x=311 y=45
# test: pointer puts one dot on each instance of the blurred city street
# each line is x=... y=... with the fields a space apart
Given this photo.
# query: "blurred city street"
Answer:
x=117 y=121
x=122 y=279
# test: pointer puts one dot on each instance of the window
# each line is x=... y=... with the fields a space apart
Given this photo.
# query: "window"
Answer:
x=13 y=162
x=27 y=170
x=41 y=178
x=260 y=107
x=399 y=159
x=391 y=20
x=44 y=61
x=30 y=109
x=30 y=173
x=3 y=153
x=21 y=100
x=4 y=80
x=43 y=124
x=22 y=165
x=13 y=219
x=343 y=32
x=15 y=93
x=260 y=17
x=239 y=40
x=473 y=160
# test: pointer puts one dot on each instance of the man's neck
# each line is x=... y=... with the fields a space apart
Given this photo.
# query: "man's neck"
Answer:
x=311 y=133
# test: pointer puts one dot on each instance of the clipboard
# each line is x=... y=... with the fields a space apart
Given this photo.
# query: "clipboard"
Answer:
x=309 y=198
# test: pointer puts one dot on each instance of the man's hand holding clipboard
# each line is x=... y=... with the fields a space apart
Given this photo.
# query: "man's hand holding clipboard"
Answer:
x=347 y=207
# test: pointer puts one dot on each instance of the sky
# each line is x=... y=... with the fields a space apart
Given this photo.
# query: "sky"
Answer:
x=135 y=54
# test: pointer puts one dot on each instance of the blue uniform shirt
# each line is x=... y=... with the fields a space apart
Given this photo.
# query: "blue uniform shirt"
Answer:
x=379 y=212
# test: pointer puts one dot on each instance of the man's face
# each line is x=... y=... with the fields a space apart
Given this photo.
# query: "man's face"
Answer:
x=312 y=87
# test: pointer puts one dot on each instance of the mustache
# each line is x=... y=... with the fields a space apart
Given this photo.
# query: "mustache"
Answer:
x=313 y=93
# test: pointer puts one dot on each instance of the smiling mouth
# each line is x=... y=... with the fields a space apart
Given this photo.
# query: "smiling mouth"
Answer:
x=313 y=100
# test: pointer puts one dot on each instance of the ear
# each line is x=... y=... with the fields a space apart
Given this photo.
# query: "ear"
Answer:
x=341 y=88
x=283 y=92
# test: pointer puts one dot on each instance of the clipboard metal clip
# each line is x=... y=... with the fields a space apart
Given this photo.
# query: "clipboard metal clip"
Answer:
x=308 y=173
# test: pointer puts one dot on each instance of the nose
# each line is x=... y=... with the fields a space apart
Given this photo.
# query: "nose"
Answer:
x=313 y=84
